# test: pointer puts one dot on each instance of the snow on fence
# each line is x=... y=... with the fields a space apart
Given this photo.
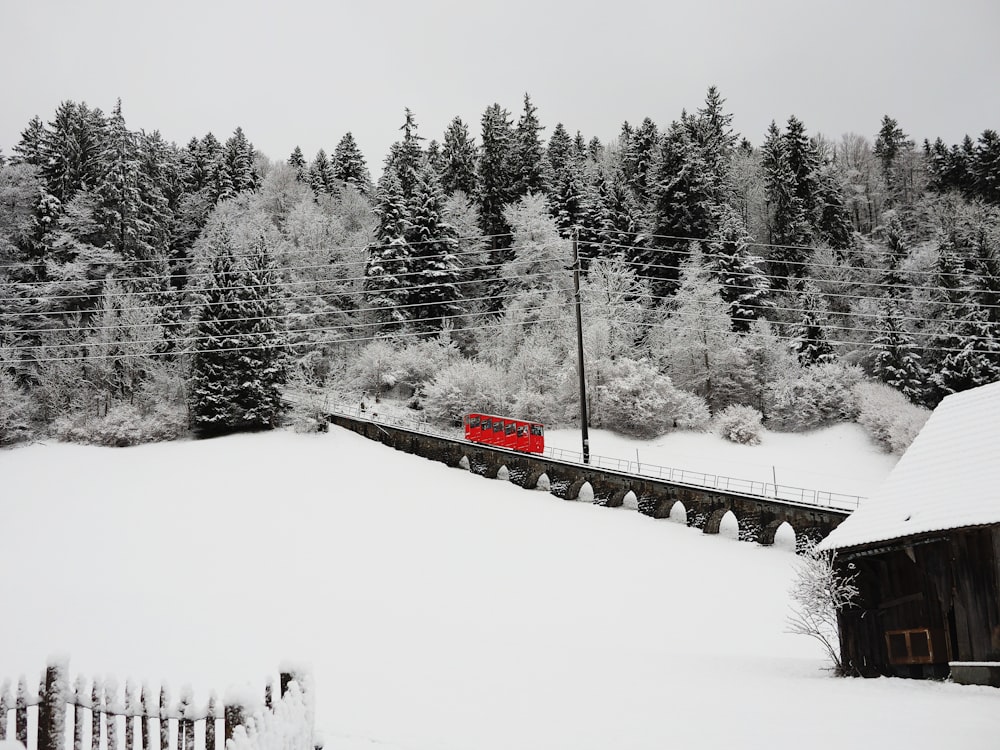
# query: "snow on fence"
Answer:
x=92 y=717
x=787 y=493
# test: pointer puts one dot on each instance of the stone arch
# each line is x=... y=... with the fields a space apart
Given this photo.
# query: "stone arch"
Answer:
x=630 y=500
x=463 y=462
x=655 y=507
x=576 y=486
x=615 y=499
x=714 y=521
x=503 y=473
x=678 y=512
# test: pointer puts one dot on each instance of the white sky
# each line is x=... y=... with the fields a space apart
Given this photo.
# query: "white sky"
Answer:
x=300 y=72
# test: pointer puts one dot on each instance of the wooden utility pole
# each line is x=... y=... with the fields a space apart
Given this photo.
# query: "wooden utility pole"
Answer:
x=579 y=349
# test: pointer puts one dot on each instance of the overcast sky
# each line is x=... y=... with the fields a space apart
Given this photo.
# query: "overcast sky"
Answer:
x=304 y=73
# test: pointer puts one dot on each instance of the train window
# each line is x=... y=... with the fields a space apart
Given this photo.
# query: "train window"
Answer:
x=498 y=425
x=511 y=428
x=474 y=422
x=522 y=430
x=536 y=429
x=487 y=425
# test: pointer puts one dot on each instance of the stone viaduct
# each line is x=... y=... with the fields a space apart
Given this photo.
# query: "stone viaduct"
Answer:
x=703 y=508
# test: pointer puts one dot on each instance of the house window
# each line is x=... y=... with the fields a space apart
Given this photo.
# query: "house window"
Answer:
x=912 y=646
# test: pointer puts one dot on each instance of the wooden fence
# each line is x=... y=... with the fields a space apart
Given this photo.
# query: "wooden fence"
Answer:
x=94 y=712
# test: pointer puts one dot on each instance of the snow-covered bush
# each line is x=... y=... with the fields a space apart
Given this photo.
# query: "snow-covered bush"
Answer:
x=805 y=398
x=888 y=416
x=15 y=407
x=123 y=425
x=642 y=402
x=375 y=369
x=534 y=406
x=819 y=591
x=466 y=386
x=418 y=363
x=740 y=424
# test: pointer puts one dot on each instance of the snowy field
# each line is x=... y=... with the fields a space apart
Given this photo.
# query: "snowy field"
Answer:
x=840 y=458
x=438 y=610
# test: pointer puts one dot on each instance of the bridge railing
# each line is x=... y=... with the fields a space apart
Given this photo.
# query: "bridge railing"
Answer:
x=788 y=493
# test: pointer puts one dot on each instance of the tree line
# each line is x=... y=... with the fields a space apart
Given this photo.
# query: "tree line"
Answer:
x=156 y=284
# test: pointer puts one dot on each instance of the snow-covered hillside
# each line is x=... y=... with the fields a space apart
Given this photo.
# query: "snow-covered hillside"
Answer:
x=439 y=610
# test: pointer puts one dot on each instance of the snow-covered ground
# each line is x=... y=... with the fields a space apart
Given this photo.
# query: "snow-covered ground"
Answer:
x=439 y=610
x=840 y=458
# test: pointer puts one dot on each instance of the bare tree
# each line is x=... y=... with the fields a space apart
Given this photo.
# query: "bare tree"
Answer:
x=818 y=593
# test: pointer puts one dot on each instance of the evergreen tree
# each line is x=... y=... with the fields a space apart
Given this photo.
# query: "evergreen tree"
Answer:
x=890 y=144
x=458 y=156
x=803 y=161
x=682 y=204
x=435 y=161
x=811 y=344
x=639 y=152
x=434 y=295
x=495 y=188
x=716 y=140
x=788 y=229
x=986 y=167
x=261 y=361
x=132 y=209
x=298 y=162
x=238 y=365
x=236 y=171
x=744 y=285
x=895 y=360
x=321 y=174
x=527 y=155
x=565 y=180
x=349 y=165
x=408 y=159
x=388 y=261
x=71 y=150
x=29 y=149
x=833 y=220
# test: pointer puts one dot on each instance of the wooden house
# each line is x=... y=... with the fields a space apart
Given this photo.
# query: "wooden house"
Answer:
x=925 y=549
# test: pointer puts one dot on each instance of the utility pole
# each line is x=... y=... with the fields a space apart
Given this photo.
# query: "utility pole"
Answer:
x=579 y=349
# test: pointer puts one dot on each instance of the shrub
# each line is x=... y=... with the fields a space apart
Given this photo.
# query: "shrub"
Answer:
x=15 y=408
x=122 y=426
x=642 y=402
x=809 y=397
x=467 y=386
x=740 y=424
x=888 y=416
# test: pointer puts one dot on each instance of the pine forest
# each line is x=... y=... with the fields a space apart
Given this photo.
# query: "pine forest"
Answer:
x=150 y=290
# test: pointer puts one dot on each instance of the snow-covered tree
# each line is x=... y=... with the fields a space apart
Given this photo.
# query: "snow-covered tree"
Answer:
x=811 y=344
x=494 y=175
x=744 y=285
x=458 y=158
x=527 y=153
x=636 y=399
x=348 y=165
x=540 y=254
x=696 y=345
x=819 y=591
x=432 y=296
x=238 y=363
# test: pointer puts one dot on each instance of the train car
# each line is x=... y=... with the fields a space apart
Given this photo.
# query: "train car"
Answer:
x=503 y=432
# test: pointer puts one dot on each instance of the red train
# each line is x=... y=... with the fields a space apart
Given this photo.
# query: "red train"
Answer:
x=505 y=432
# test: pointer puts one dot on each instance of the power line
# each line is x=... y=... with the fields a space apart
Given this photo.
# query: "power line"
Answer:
x=281 y=345
x=301 y=297
x=283 y=252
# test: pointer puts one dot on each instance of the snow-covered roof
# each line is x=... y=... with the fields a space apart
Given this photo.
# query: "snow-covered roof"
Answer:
x=948 y=478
